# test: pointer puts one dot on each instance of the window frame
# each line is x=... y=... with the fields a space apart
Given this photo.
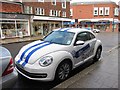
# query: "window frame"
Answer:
x=28 y=9
x=107 y=8
x=116 y=11
x=64 y=4
x=91 y=36
x=59 y=13
x=53 y=13
x=38 y=11
x=53 y=2
x=64 y=14
x=41 y=1
x=95 y=9
x=71 y=12
x=101 y=9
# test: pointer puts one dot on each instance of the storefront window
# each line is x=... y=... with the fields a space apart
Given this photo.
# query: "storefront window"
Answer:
x=22 y=26
x=114 y=26
x=8 y=28
x=12 y=28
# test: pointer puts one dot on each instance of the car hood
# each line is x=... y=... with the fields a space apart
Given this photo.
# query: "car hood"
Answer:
x=30 y=53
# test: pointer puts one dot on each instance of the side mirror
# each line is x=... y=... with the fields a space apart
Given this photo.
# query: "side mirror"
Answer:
x=79 y=43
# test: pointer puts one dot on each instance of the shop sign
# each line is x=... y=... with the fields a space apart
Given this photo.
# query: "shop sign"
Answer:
x=83 y=23
x=15 y=16
x=101 y=23
x=69 y=23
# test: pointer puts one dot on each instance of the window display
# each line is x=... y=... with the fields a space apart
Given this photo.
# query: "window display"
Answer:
x=14 y=28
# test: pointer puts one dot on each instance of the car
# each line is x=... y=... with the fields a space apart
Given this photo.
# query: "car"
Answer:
x=8 y=73
x=57 y=54
x=96 y=30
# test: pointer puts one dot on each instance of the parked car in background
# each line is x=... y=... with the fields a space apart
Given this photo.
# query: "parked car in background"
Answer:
x=96 y=30
x=8 y=73
x=57 y=54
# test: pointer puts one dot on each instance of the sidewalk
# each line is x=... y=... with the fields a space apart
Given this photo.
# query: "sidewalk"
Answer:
x=14 y=40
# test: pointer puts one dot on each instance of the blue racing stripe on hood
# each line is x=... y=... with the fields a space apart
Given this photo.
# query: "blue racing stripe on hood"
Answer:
x=27 y=50
x=30 y=54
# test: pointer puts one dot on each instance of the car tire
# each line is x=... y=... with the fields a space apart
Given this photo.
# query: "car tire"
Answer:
x=97 y=55
x=63 y=71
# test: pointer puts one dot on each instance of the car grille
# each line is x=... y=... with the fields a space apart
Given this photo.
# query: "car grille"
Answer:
x=32 y=75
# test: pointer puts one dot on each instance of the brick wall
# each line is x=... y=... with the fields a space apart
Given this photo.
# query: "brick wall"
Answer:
x=10 y=7
x=82 y=11
x=48 y=6
x=85 y=11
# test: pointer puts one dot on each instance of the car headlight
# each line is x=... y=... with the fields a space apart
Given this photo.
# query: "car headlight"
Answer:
x=45 y=61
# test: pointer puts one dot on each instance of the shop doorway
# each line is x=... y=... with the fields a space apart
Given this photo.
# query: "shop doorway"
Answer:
x=45 y=29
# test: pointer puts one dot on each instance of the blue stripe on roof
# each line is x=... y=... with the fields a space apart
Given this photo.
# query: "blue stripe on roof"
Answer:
x=64 y=30
x=30 y=54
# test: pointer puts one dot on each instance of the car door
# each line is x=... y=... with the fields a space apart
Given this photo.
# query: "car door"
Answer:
x=91 y=40
x=82 y=52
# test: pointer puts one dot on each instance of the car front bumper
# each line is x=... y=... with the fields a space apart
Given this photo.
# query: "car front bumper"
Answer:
x=42 y=74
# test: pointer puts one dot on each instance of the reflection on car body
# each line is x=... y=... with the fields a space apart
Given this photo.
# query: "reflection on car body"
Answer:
x=9 y=74
x=96 y=30
x=57 y=54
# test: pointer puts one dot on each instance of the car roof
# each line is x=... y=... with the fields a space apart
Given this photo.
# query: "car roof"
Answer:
x=75 y=30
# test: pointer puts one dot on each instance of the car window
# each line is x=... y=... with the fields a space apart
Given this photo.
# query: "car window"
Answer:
x=84 y=36
x=92 y=36
x=60 y=37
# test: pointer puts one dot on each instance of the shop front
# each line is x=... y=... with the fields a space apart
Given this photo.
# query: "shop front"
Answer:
x=86 y=24
x=115 y=25
x=14 y=25
x=102 y=25
x=42 y=25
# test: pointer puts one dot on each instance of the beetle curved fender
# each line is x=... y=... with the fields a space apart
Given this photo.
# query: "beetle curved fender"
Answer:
x=59 y=56
x=98 y=43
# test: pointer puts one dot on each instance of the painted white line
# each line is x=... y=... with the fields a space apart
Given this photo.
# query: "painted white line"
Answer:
x=113 y=48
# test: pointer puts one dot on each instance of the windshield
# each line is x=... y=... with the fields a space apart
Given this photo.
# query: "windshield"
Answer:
x=60 y=37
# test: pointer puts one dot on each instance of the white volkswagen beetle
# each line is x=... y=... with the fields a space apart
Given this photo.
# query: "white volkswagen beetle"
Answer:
x=57 y=54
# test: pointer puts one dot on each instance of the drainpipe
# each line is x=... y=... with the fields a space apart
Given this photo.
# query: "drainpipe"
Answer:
x=22 y=7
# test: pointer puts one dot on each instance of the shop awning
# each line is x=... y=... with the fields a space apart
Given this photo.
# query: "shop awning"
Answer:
x=50 y=18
